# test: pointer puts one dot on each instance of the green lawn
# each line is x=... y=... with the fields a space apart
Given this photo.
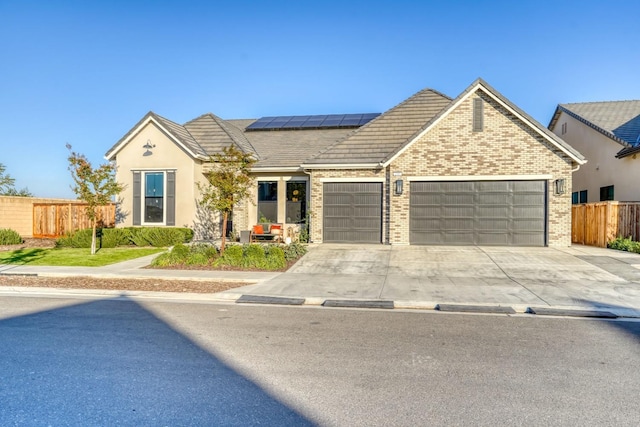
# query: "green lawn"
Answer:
x=74 y=257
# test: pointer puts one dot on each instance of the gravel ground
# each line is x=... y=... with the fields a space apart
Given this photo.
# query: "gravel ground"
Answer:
x=158 y=285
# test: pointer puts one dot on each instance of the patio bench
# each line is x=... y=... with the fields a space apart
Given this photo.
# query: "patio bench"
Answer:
x=262 y=232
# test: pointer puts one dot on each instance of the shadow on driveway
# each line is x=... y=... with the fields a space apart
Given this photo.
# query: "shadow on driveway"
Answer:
x=115 y=363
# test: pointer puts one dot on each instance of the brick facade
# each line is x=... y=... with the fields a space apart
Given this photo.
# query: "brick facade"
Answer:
x=505 y=147
x=318 y=177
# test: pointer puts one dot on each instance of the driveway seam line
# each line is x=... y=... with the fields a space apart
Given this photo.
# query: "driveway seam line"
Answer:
x=386 y=274
x=511 y=278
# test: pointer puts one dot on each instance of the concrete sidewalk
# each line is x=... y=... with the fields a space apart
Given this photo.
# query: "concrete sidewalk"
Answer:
x=579 y=279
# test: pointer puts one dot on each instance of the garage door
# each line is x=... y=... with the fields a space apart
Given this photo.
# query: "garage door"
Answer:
x=352 y=212
x=478 y=213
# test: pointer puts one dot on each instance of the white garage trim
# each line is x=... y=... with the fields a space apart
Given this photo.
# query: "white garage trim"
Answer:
x=481 y=178
x=352 y=179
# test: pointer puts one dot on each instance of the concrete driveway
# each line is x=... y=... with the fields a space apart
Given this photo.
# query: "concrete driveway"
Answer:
x=579 y=276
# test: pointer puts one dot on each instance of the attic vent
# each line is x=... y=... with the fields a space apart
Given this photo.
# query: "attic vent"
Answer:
x=478 y=115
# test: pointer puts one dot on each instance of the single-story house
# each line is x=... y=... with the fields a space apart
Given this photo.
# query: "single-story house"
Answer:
x=473 y=170
x=608 y=135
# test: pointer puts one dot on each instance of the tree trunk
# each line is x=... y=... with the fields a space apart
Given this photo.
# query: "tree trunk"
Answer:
x=93 y=238
x=225 y=216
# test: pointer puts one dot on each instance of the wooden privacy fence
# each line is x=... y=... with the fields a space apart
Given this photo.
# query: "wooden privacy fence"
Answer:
x=57 y=219
x=596 y=224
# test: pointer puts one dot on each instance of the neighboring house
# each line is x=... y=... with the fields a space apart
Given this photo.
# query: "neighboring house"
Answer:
x=608 y=135
x=474 y=170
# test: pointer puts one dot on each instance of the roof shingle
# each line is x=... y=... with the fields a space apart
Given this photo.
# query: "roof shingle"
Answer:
x=373 y=142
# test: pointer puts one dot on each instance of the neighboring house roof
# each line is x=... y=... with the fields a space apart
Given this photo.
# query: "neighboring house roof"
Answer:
x=617 y=120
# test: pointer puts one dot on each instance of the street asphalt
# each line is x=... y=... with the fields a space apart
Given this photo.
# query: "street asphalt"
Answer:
x=574 y=281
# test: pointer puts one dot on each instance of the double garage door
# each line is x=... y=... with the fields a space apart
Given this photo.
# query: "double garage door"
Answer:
x=509 y=213
x=505 y=213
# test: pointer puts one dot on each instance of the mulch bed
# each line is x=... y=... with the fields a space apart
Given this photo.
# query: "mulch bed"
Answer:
x=153 y=285
x=157 y=285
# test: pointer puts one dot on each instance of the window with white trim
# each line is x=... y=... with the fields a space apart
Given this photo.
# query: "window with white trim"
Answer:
x=296 y=211
x=267 y=201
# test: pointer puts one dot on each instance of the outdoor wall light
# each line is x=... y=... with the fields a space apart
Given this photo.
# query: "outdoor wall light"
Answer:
x=148 y=146
x=559 y=186
x=398 y=185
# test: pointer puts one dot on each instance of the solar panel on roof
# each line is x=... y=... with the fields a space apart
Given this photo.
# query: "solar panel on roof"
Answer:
x=312 y=122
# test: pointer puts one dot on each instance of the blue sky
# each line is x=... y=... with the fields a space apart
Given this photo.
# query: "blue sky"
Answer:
x=84 y=72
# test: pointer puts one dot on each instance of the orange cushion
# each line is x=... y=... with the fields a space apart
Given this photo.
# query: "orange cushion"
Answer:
x=257 y=229
x=275 y=227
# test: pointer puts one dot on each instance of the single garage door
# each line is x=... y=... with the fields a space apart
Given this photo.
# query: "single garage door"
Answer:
x=478 y=213
x=352 y=212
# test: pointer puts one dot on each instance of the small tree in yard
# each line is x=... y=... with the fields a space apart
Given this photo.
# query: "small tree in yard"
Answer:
x=228 y=183
x=7 y=185
x=96 y=187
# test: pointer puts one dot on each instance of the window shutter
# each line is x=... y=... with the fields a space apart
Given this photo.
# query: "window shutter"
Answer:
x=171 y=198
x=478 y=115
x=137 y=194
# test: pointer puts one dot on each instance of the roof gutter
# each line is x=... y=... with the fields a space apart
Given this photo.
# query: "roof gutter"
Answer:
x=276 y=169
x=342 y=166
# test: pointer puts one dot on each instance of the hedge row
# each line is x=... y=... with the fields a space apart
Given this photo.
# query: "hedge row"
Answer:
x=129 y=236
x=269 y=257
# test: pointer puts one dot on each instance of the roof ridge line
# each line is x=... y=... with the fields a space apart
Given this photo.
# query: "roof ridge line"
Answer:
x=383 y=114
x=224 y=124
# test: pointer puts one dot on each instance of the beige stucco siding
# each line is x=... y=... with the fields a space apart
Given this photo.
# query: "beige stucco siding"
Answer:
x=166 y=155
x=506 y=147
x=602 y=169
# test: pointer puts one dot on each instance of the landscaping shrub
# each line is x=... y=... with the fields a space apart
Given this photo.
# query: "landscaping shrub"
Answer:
x=624 y=244
x=275 y=259
x=197 y=259
x=206 y=249
x=9 y=237
x=159 y=236
x=162 y=260
x=254 y=256
x=232 y=255
x=114 y=237
x=111 y=238
x=179 y=254
x=78 y=239
x=294 y=251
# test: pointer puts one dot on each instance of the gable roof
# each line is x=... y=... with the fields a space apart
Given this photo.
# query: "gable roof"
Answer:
x=385 y=138
x=617 y=120
x=374 y=145
x=178 y=133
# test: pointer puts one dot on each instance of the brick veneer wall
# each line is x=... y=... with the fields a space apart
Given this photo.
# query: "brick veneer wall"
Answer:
x=16 y=213
x=506 y=146
x=317 y=194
